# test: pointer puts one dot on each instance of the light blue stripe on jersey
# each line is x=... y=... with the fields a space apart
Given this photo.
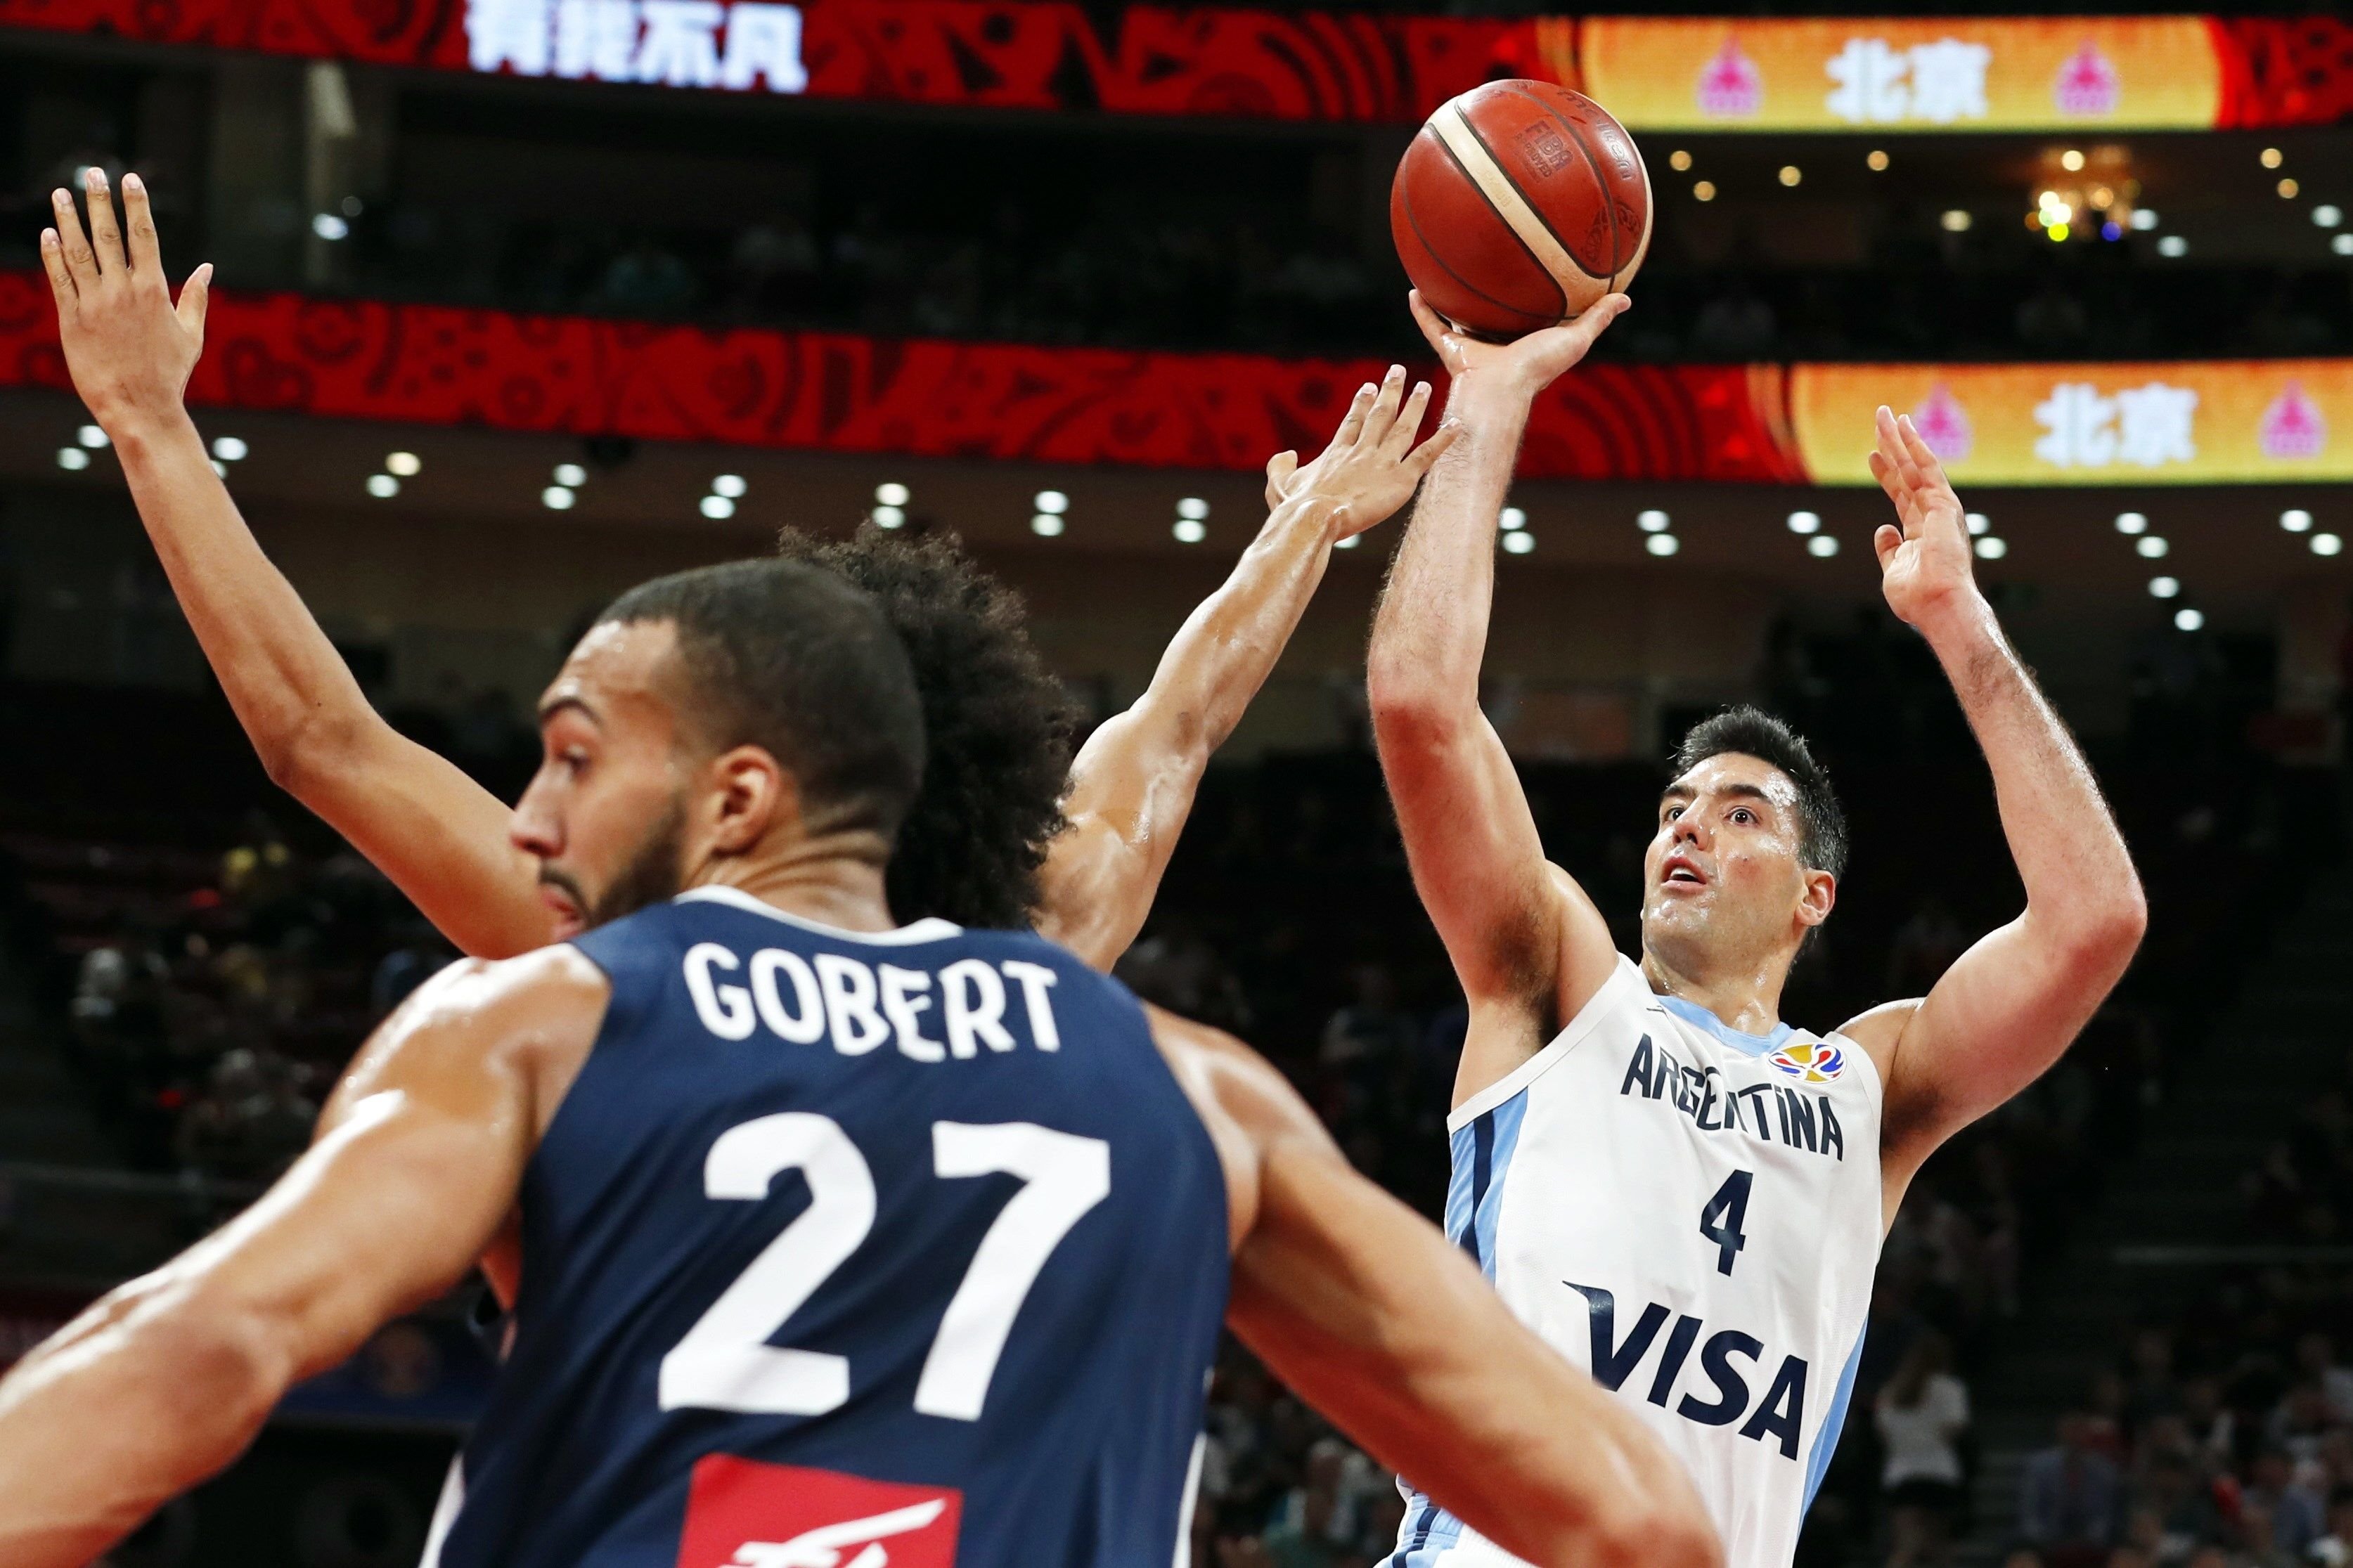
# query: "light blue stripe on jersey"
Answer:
x=1483 y=1148
x=1692 y=1012
x=1818 y=1462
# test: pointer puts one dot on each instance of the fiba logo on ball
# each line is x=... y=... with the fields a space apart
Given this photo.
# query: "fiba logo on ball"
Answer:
x=1545 y=151
x=1816 y=1063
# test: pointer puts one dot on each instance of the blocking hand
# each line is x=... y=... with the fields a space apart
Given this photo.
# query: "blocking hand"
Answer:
x=129 y=348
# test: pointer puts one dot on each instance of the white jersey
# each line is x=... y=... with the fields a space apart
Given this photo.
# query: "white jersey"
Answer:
x=1692 y=1214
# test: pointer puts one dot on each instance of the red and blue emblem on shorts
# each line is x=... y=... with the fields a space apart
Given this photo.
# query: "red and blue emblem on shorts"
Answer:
x=1818 y=1062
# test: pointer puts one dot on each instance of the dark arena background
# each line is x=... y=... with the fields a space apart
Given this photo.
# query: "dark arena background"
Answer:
x=512 y=315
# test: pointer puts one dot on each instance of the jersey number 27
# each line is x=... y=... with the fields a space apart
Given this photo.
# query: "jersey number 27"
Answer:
x=725 y=1363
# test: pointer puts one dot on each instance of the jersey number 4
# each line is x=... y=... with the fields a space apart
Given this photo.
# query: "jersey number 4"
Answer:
x=1721 y=1219
x=725 y=1363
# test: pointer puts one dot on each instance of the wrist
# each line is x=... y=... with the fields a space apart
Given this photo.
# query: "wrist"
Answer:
x=1958 y=614
x=142 y=432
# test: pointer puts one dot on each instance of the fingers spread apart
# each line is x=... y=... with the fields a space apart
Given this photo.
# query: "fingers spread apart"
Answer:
x=105 y=238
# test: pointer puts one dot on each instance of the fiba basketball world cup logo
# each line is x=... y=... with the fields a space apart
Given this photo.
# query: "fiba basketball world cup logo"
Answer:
x=1816 y=1062
x=1944 y=423
x=1730 y=85
x=2293 y=425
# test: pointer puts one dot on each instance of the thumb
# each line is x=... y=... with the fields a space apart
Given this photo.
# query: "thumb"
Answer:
x=196 y=294
x=1279 y=469
x=1887 y=540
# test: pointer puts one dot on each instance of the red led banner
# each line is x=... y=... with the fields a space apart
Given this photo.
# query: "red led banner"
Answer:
x=835 y=392
x=1733 y=75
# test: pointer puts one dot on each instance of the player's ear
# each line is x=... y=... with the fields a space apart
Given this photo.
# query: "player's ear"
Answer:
x=750 y=796
x=1821 y=893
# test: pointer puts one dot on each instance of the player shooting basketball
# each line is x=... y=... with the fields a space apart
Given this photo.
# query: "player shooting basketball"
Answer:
x=1669 y=1184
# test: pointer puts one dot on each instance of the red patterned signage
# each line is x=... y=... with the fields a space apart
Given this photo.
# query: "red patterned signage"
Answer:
x=440 y=365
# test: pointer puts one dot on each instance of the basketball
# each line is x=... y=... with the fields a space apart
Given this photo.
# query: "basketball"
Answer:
x=1518 y=205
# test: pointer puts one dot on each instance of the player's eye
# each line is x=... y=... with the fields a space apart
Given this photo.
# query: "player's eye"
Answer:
x=1670 y=814
x=1744 y=815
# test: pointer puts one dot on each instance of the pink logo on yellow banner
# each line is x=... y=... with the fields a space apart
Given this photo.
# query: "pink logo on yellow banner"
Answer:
x=2203 y=422
x=1902 y=73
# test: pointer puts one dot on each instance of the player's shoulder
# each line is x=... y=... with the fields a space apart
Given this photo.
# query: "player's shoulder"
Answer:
x=486 y=1016
x=1878 y=1030
x=557 y=976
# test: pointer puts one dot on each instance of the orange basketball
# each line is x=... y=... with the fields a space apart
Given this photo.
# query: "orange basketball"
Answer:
x=1517 y=205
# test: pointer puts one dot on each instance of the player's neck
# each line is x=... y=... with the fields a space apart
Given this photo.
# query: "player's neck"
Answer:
x=1746 y=998
x=835 y=879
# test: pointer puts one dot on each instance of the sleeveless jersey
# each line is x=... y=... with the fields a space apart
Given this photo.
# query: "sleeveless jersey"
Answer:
x=1692 y=1214
x=846 y=1250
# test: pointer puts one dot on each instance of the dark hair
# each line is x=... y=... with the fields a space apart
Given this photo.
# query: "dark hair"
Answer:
x=780 y=655
x=1752 y=732
x=999 y=724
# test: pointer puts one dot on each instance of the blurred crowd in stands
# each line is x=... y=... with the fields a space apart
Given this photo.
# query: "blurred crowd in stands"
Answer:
x=208 y=997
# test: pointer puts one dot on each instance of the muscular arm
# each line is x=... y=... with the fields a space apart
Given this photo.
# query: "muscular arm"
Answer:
x=1133 y=784
x=2003 y=1014
x=165 y=1380
x=1526 y=943
x=1362 y=1308
x=436 y=833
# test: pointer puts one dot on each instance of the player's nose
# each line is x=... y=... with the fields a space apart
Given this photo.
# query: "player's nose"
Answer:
x=536 y=828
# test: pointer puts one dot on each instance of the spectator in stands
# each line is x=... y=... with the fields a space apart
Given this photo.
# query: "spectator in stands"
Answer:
x=2335 y=1549
x=2069 y=1496
x=2291 y=1512
x=1921 y=1414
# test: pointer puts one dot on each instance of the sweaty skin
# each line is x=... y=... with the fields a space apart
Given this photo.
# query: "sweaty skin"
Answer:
x=1727 y=898
x=1358 y=1303
x=441 y=839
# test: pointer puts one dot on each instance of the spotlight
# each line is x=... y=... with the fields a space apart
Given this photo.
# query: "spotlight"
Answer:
x=1651 y=521
x=2151 y=546
x=1821 y=546
x=1703 y=190
x=2164 y=587
x=1679 y=160
x=2327 y=215
x=2131 y=524
x=1514 y=544
x=2327 y=544
x=717 y=507
x=2287 y=190
x=1790 y=175
x=219 y=467
x=1193 y=508
x=890 y=493
x=2071 y=159
x=1875 y=161
x=2144 y=218
x=888 y=517
x=402 y=465
x=1978 y=523
x=1805 y=522
x=1348 y=544
x=2269 y=158
x=2342 y=245
x=383 y=487
x=1957 y=220
x=1657 y=544
x=731 y=486
x=1189 y=531
x=2188 y=619
x=570 y=474
x=91 y=436
x=72 y=459
x=1992 y=549
x=1512 y=520
x=229 y=449
x=1052 y=503
x=2173 y=244
x=1046 y=525
x=555 y=498
x=328 y=225
x=2295 y=519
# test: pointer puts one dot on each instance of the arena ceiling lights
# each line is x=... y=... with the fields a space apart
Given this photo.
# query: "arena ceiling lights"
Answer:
x=1893 y=74
x=2255 y=421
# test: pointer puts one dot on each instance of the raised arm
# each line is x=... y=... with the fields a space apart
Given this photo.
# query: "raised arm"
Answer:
x=1132 y=784
x=1527 y=945
x=165 y=1380
x=1361 y=1307
x=436 y=833
x=2009 y=1008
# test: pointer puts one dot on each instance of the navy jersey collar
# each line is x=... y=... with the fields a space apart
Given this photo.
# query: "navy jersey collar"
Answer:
x=929 y=929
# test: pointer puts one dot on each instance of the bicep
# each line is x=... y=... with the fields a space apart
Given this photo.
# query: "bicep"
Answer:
x=440 y=837
x=1993 y=1023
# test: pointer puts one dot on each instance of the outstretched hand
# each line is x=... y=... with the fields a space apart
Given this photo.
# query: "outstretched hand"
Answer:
x=1526 y=365
x=129 y=348
x=1923 y=558
x=1372 y=466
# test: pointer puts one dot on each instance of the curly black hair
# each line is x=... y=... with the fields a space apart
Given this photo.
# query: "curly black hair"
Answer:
x=998 y=726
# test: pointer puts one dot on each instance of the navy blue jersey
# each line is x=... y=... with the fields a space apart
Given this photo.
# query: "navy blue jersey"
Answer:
x=846 y=1251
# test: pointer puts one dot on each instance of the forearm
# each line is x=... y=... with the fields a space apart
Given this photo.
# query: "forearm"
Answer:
x=132 y=1404
x=281 y=675
x=1429 y=634
x=2071 y=856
